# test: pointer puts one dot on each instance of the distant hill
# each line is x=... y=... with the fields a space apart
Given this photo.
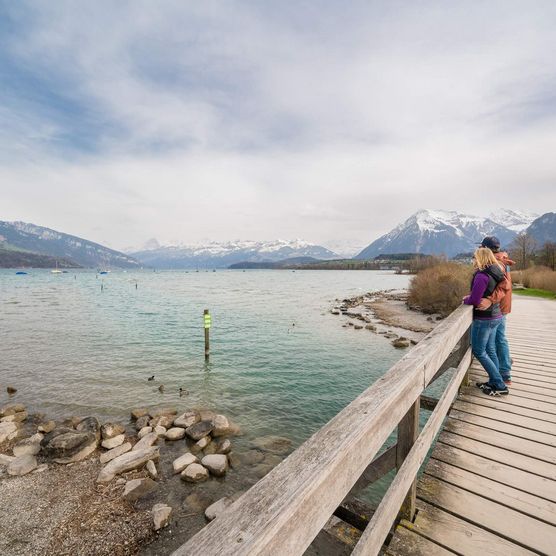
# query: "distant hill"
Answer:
x=543 y=229
x=294 y=261
x=44 y=241
x=222 y=255
x=13 y=258
x=437 y=232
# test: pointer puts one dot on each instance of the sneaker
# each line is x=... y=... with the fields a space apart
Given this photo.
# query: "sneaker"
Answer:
x=493 y=392
x=483 y=385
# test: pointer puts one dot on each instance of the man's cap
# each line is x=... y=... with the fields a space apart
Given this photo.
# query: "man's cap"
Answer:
x=491 y=242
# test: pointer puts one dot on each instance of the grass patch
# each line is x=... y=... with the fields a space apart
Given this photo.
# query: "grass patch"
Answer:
x=534 y=292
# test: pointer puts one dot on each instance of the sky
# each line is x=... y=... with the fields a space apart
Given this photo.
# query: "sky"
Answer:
x=328 y=121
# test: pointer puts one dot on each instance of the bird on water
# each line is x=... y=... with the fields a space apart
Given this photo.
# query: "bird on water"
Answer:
x=151 y=378
x=161 y=388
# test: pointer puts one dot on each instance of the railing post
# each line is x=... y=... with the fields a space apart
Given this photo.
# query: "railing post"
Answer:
x=465 y=342
x=408 y=431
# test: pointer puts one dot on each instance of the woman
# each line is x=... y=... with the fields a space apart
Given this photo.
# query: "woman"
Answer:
x=486 y=322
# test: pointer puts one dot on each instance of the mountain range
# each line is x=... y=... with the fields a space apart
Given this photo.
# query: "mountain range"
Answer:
x=32 y=239
x=223 y=255
x=447 y=232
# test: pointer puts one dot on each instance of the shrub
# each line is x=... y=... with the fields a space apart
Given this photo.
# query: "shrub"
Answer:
x=538 y=277
x=440 y=289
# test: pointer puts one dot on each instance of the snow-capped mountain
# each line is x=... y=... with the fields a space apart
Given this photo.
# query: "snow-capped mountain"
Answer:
x=515 y=220
x=222 y=255
x=543 y=229
x=437 y=232
x=44 y=241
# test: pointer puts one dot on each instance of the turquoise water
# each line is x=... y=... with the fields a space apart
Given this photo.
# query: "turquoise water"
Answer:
x=80 y=344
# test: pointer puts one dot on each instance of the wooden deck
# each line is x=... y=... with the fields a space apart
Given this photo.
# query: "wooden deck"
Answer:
x=489 y=487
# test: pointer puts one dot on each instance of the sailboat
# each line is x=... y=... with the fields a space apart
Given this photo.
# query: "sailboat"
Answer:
x=56 y=270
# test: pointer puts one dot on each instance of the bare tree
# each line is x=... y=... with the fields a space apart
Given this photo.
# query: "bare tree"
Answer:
x=522 y=249
x=547 y=255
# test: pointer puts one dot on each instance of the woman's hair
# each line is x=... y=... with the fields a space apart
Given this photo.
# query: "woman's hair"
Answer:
x=484 y=258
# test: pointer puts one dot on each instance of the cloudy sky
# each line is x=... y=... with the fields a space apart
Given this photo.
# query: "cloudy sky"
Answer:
x=329 y=121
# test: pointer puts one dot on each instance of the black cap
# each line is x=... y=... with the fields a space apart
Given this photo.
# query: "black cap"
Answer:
x=492 y=242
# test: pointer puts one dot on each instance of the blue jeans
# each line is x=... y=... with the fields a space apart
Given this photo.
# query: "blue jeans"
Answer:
x=503 y=351
x=483 y=345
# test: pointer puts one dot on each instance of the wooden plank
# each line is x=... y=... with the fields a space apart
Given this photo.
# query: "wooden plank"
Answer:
x=481 y=399
x=494 y=453
x=459 y=535
x=515 y=526
x=372 y=538
x=502 y=440
x=508 y=428
x=524 y=391
x=379 y=467
x=406 y=542
x=498 y=492
x=496 y=414
x=284 y=511
x=497 y=471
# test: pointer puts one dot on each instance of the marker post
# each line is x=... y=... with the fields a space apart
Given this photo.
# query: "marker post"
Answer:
x=208 y=322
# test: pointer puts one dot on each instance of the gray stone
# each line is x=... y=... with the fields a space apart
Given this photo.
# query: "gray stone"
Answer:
x=175 y=433
x=5 y=459
x=84 y=450
x=31 y=446
x=67 y=445
x=401 y=343
x=110 y=430
x=371 y=327
x=161 y=515
x=138 y=413
x=137 y=488
x=183 y=461
x=11 y=408
x=223 y=446
x=204 y=442
x=115 y=452
x=144 y=431
x=18 y=417
x=221 y=425
x=151 y=469
x=198 y=430
x=113 y=442
x=194 y=473
x=8 y=431
x=165 y=421
x=272 y=443
x=127 y=462
x=145 y=442
x=22 y=465
x=89 y=424
x=142 y=422
x=47 y=426
x=187 y=419
x=159 y=430
x=217 y=464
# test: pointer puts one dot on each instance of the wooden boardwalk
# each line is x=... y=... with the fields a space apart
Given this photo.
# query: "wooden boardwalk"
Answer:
x=489 y=487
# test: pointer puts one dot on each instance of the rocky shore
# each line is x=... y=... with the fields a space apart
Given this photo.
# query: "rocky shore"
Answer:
x=145 y=486
x=386 y=313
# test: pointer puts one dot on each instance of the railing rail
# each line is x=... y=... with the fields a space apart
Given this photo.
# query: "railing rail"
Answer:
x=284 y=511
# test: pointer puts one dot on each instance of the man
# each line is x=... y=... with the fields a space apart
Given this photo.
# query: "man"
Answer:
x=503 y=295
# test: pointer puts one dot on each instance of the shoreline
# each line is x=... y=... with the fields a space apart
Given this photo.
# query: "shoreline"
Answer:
x=386 y=313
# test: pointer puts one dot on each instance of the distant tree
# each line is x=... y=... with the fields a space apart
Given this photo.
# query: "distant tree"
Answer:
x=522 y=249
x=547 y=255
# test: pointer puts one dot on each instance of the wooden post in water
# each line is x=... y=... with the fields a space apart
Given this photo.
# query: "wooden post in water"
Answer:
x=408 y=432
x=207 y=320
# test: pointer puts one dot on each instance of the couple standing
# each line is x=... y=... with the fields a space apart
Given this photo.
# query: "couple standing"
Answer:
x=491 y=297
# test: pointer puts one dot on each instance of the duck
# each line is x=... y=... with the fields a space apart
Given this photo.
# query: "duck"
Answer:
x=151 y=378
x=183 y=392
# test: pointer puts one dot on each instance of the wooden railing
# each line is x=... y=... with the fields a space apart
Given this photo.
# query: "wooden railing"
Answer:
x=284 y=511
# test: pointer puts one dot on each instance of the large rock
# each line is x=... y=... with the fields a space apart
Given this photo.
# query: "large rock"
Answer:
x=151 y=469
x=11 y=409
x=5 y=459
x=139 y=412
x=18 y=417
x=113 y=442
x=22 y=465
x=187 y=419
x=175 y=433
x=221 y=425
x=115 y=452
x=137 y=488
x=272 y=443
x=165 y=421
x=194 y=473
x=110 y=430
x=47 y=426
x=145 y=442
x=161 y=515
x=8 y=431
x=142 y=422
x=89 y=424
x=160 y=431
x=28 y=446
x=183 y=461
x=127 y=462
x=144 y=431
x=67 y=445
x=217 y=464
x=223 y=446
x=200 y=429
